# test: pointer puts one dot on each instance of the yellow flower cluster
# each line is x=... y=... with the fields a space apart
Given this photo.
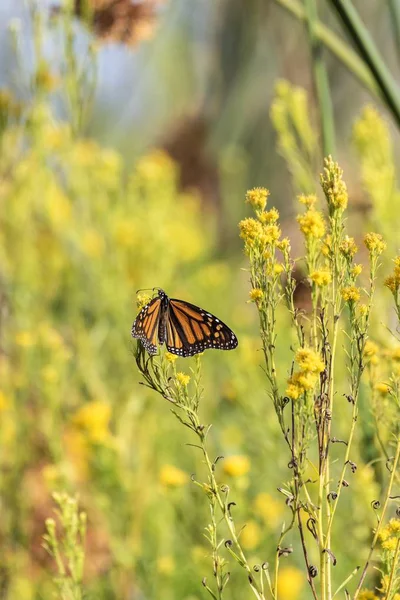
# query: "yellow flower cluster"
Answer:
x=171 y=476
x=348 y=247
x=258 y=197
x=334 y=187
x=182 y=380
x=142 y=300
x=308 y=200
x=171 y=358
x=350 y=293
x=382 y=388
x=389 y=535
x=356 y=270
x=256 y=294
x=321 y=278
x=236 y=466
x=367 y=595
x=371 y=351
x=311 y=365
x=374 y=243
x=270 y=216
x=393 y=281
x=312 y=224
x=250 y=231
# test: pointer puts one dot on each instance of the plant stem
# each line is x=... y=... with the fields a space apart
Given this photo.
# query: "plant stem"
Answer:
x=378 y=528
x=394 y=569
x=321 y=82
x=370 y=54
x=394 y=7
x=338 y=47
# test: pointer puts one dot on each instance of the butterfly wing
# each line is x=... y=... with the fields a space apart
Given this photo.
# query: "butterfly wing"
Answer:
x=145 y=326
x=191 y=330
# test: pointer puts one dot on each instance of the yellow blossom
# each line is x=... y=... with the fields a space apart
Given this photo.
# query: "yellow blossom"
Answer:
x=350 y=293
x=182 y=379
x=236 y=466
x=312 y=224
x=171 y=476
x=374 y=243
x=278 y=269
x=257 y=197
x=334 y=187
x=142 y=300
x=382 y=388
x=348 y=247
x=271 y=234
x=367 y=595
x=250 y=536
x=370 y=349
x=256 y=294
x=93 y=420
x=305 y=379
x=291 y=582
x=271 y=216
x=392 y=282
x=321 y=278
x=269 y=509
x=250 y=231
x=284 y=245
x=309 y=360
x=171 y=358
x=356 y=270
x=293 y=391
x=363 y=310
x=308 y=200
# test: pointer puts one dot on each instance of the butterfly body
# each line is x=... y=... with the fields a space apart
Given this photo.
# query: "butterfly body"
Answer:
x=185 y=328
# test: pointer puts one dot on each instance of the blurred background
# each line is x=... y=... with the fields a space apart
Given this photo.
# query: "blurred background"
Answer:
x=129 y=134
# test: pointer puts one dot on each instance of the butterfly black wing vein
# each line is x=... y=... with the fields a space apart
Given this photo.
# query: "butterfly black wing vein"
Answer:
x=145 y=326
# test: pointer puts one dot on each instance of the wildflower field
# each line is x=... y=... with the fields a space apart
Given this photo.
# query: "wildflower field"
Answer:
x=270 y=471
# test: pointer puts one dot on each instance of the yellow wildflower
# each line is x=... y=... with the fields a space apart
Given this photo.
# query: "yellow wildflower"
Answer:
x=312 y=224
x=93 y=420
x=308 y=200
x=142 y=300
x=257 y=197
x=165 y=565
x=271 y=216
x=250 y=536
x=382 y=388
x=334 y=187
x=278 y=269
x=269 y=509
x=271 y=234
x=236 y=466
x=321 y=278
x=374 y=243
x=284 y=245
x=350 y=293
x=291 y=582
x=370 y=349
x=392 y=282
x=363 y=310
x=256 y=294
x=305 y=379
x=348 y=247
x=394 y=526
x=170 y=357
x=356 y=270
x=367 y=595
x=309 y=360
x=250 y=231
x=293 y=391
x=182 y=379
x=171 y=476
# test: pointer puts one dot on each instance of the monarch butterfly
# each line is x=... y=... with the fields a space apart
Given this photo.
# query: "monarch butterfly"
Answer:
x=185 y=328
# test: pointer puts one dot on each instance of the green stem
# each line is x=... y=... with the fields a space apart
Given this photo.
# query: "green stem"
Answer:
x=370 y=54
x=378 y=528
x=321 y=82
x=338 y=47
x=394 y=7
x=393 y=571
